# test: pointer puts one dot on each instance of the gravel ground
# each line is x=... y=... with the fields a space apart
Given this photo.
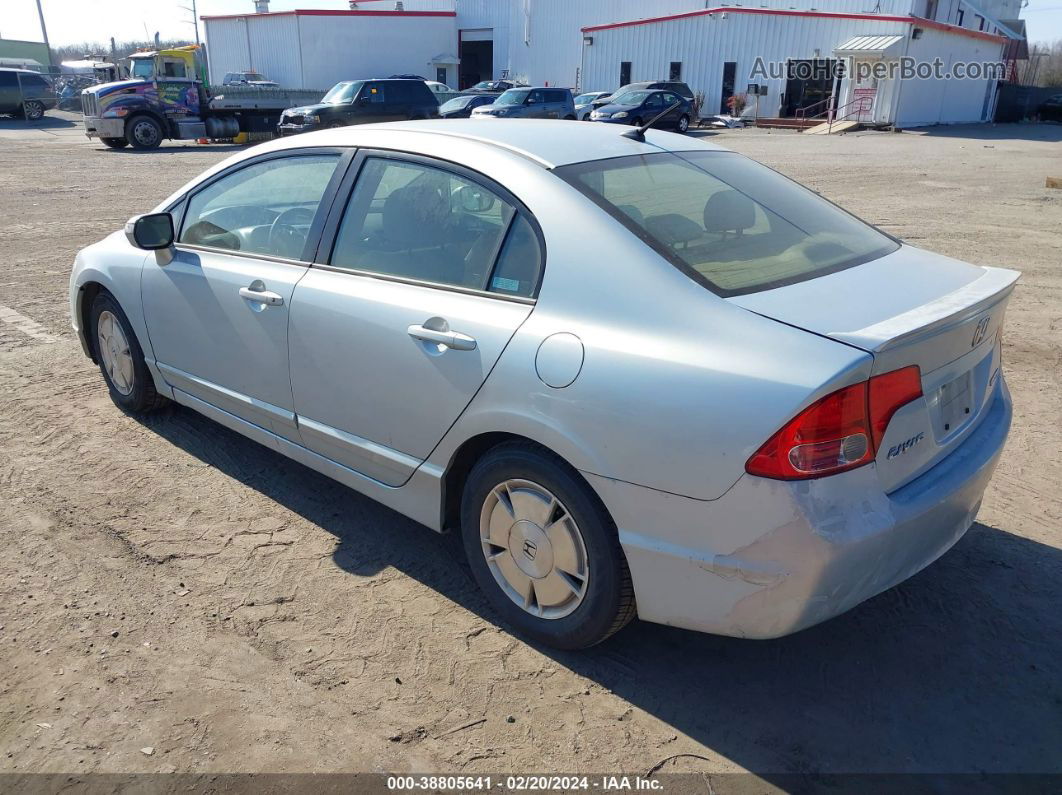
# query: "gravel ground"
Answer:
x=168 y=586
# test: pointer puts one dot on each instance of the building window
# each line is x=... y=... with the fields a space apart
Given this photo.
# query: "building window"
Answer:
x=960 y=17
x=931 y=9
x=625 y=72
x=980 y=21
x=674 y=72
x=440 y=74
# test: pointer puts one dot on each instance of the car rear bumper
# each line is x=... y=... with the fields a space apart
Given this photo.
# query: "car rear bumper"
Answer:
x=770 y=558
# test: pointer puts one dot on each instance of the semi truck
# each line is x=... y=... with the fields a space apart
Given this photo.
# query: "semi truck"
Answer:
x=167 y=97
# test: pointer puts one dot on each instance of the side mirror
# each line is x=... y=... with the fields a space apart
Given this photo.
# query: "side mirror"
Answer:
x=150 y=232
x=474 y=200
x=363 y=101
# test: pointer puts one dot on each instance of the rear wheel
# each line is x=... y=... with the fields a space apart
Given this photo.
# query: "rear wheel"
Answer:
x=120 y=358
x=543 y=548
x=683 y=123
x=115 y=143
x=569 y=118
x=143 y=132
x=32 y=110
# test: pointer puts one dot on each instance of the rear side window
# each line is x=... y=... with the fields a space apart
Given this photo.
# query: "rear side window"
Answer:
x=8 y=79
x=729 y=223
x=375 y=93
x=556 y=96
x=414 y=221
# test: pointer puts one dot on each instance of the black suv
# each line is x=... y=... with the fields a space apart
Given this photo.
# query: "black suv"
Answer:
x=362 y=102
x=25 y=93
x=681 y=89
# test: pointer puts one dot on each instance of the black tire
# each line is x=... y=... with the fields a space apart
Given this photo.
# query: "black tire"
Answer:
x=142 y=397
x=333 y=124
x=115 y=143
x=636 y=122
x=683 y=124
x=33 y=110
x=569 y=118
x=608 y=604
x=143 y=132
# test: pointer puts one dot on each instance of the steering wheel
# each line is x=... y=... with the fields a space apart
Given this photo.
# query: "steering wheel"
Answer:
x=285 y=240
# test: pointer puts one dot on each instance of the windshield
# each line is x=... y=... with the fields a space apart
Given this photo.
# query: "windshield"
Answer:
x=489 y=85
x=630 y=98
x=341 y=93
x=728 y=222
x=512 y=97
x=143 y=67
x=455 y=104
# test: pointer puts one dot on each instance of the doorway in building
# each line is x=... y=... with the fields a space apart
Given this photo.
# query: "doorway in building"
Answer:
x=808 y=85
x=476 y=53
x=729 y=80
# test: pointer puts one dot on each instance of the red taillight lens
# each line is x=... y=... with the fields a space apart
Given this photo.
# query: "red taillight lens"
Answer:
x=838 y=432
x=889 y=392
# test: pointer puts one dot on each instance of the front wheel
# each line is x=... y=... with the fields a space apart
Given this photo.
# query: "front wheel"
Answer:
x=569 y=118
x=543 y=549
x=143 y=132
x=33 y=110
x=683 y=123
x=120 y=358
x=636 y=122
x=115 y=143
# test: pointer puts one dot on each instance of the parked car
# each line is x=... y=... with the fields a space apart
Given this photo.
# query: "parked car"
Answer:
x=25 y=93
x=247 y=79
x=674 y=86
x=651 y=377
x=1050 y=109
x=530 y=103
x=407 y=77
x=362 y=102
x=461 y=107
x=583 y=103
x=640 y=107
x=491 y=87
x=441 y=91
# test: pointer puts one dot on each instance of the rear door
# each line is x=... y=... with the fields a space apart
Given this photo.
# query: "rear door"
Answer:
x=10 y=95
x=431 y=272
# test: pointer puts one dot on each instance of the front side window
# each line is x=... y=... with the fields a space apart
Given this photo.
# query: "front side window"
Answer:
x=728 y=222
x=266 y=208
x=374 y=92
x=418 y=222
x=143 y=68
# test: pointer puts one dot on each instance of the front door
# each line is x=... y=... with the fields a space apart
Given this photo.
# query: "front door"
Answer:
x=378 y=102
x=217 y=314
x=808 y=87
x=432 y=271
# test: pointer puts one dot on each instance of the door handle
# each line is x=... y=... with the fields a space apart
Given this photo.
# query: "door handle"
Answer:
x=450 y=339
x=261 y=296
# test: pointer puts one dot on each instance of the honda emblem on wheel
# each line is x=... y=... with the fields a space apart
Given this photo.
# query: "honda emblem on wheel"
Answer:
x=530 y=550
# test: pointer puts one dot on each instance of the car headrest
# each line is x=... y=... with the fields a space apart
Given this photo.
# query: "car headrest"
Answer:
x=632 y=212
x=729 y=211
x=415 y=215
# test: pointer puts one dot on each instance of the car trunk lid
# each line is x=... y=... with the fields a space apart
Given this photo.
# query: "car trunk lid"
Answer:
x=911 y=307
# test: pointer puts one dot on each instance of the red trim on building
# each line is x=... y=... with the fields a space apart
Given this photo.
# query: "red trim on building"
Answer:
x=326 y=12
x=909 y=20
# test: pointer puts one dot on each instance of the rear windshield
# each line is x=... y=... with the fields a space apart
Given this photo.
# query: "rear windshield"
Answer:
x=728 y=222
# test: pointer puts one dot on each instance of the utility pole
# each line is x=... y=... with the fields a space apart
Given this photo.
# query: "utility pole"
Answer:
x=44 y=32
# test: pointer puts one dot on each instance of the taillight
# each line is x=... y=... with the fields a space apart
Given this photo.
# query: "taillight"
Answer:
x=838 y=432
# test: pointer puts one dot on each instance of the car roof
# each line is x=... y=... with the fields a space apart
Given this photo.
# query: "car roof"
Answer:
x=550 y=143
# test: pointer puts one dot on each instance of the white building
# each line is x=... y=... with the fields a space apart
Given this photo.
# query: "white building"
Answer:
x=601 y=44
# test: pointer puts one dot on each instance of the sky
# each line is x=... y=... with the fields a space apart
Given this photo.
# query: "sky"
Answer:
x=77 y=21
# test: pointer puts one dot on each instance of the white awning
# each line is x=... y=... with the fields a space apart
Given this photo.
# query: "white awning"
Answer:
x=445 y=59
x=871 y=47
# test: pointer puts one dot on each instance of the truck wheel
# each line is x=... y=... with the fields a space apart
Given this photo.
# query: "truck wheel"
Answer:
x=333 y=124
x=143 y=132
x=32 y=109
x=115 y=143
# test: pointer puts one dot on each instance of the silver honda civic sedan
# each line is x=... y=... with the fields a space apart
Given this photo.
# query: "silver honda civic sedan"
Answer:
x=640 y=374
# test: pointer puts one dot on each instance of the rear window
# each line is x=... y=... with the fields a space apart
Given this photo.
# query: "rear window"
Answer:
x=728 y=222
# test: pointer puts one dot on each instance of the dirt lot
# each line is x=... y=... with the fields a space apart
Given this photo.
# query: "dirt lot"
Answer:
x=169 y=585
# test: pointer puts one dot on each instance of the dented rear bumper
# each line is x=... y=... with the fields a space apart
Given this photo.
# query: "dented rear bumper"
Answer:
x=770 y=558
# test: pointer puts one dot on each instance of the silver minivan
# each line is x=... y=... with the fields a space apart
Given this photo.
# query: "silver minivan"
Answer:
x=530 y=103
